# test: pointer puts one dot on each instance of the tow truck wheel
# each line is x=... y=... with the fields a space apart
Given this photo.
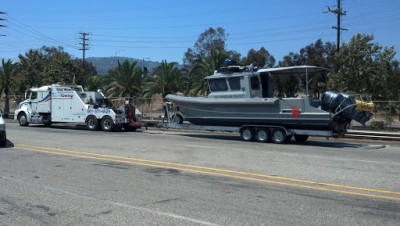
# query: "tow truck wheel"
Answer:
x=92 y=123
x=247 y=134
x=47 y=120
x=22 y=120
x=300 y=138
x=263 y=135
x=107 y=124
x=279 y=136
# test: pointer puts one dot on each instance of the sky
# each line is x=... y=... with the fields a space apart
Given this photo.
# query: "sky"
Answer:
x=163 y=30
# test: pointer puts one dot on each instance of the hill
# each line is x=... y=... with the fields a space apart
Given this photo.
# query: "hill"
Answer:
x=104 y=64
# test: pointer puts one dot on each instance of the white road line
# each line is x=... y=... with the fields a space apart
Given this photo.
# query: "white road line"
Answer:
x=140 y=208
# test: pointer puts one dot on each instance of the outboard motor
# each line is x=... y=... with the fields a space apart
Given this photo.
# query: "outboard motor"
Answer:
x=343 y=107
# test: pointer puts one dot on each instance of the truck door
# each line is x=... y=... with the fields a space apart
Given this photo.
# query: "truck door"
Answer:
x=34 y=102
x=40 y=102
x=43 y=105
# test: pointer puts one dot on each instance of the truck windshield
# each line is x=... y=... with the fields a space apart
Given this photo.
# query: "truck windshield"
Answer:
x=34 y=95
x=27 y=95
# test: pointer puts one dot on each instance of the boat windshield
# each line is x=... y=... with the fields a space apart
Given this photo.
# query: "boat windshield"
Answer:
x=234 y=83
x=218 y=85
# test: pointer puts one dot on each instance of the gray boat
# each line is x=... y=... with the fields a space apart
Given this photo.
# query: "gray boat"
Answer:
x=246 y=97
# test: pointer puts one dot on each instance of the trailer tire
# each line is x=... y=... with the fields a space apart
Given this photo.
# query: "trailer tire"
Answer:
x=263 y=135
x=177 y=118
x=92 y=123
x=107 y=124
x=247 y=134
x=300 y=138
x=279 y=136
x=22 y=119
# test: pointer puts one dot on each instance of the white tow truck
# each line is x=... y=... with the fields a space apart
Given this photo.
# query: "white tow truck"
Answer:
x=66 y=103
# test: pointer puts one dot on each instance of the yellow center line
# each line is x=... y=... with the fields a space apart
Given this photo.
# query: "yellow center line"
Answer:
x=216 y=169
x=79 y=154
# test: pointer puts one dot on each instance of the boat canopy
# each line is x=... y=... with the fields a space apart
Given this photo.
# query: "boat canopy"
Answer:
x=294 y=69
x=303 y=69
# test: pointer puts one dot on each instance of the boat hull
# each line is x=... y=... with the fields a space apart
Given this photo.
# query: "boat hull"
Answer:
x=292 y=113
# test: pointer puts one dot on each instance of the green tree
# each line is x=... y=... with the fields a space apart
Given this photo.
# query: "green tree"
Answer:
x=205 y=66
x=211 y=39
x=90 y=69
x=93 y=83
x=167 y=79
x=124 y=81
x=261 y=58
x=6 y=74
x=316 y=54
x=208 y=41
x=44 y=66
x=365 y=68
x=394 y=83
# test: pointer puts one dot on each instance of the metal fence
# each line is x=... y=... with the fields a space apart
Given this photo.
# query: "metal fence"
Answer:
x=386 y=115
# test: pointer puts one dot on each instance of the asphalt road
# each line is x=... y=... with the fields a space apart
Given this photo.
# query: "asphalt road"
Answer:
x=67 y=175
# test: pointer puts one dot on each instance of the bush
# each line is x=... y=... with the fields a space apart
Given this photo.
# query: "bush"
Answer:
x=377 y=125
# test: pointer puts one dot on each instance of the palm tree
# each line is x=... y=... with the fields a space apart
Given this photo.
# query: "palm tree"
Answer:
x=6 y=73
x=166 y=79
x=125 y=80
x=93 y=83
x=205 y=66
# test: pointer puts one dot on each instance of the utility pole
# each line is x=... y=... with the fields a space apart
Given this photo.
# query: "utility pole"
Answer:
x=338 y=13
x=2 y=25
x=84 y=47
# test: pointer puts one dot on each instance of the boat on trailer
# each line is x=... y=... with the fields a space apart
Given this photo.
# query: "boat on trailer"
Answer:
x=252 y=101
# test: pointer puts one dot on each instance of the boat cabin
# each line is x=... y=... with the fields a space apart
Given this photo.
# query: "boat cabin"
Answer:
x=240 y=82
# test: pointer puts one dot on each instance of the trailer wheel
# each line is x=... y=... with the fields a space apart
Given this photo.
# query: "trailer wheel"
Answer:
x=279 y=136
x=22 y=119
x=107 y=124
x=92 y=123
x=263 y=135
x=300 y=138
x=247 y=133
x=177 y=118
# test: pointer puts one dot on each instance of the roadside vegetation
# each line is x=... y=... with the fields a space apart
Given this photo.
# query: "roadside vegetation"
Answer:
x=361 y=66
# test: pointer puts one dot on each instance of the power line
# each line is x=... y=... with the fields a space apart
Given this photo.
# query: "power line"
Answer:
x=35 y=32
x=2 y=25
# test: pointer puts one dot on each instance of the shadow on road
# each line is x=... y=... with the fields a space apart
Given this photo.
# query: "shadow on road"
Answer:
x=80 y=127
x=310 y=142
x=8 y=144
